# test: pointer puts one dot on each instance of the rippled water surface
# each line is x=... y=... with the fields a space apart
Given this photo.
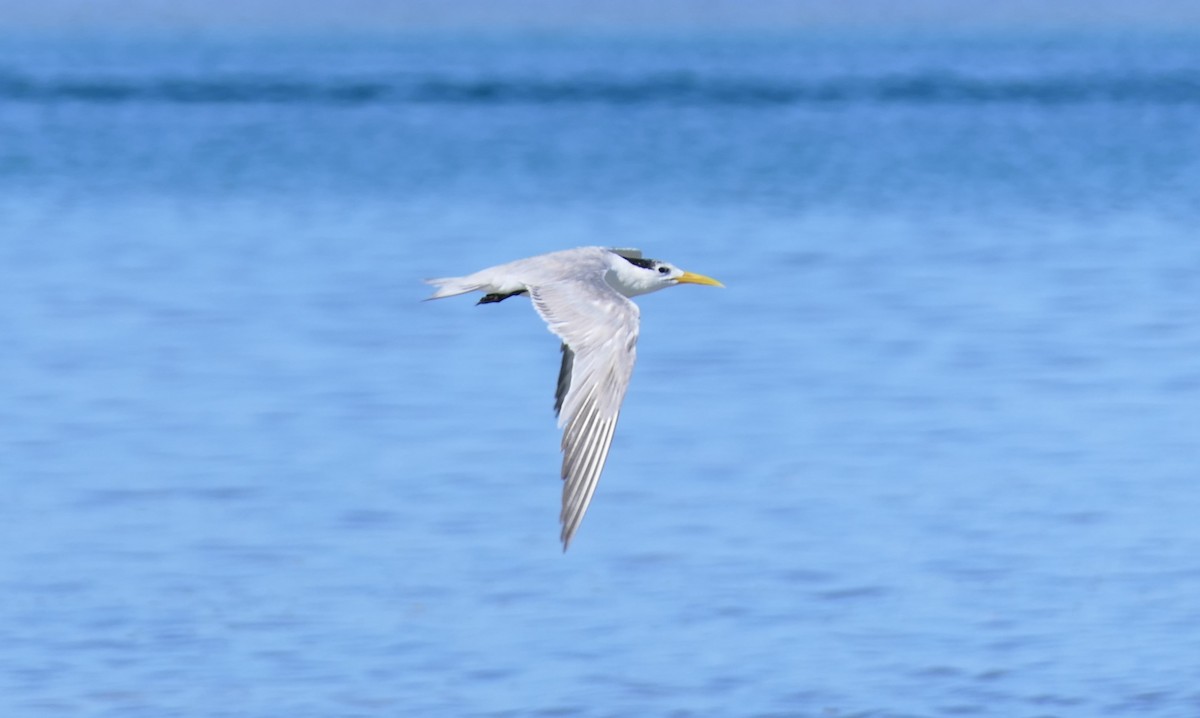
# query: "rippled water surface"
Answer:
x=933 y=452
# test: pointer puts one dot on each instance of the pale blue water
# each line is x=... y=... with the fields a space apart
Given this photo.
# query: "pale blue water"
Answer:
x=933 y=452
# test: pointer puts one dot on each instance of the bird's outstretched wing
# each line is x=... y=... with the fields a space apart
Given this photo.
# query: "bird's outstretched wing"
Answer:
x=599 y=330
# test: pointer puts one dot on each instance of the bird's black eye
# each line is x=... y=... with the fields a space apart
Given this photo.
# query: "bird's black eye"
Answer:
x=663 y=270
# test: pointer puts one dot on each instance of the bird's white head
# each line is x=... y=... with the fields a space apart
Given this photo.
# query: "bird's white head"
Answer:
x=632 y=276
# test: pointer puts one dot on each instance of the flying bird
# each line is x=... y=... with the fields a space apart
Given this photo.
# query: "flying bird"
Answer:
x=583 y=295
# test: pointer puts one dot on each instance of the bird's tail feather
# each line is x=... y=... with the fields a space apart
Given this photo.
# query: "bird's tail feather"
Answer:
x=452 y=286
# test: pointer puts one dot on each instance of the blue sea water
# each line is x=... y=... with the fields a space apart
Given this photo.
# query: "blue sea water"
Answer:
x=933 y=452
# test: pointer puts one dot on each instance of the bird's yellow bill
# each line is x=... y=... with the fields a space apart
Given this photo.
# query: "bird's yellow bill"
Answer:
x=689 y=278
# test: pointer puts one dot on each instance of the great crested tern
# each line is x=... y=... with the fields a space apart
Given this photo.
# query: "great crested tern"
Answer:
x=583 y=295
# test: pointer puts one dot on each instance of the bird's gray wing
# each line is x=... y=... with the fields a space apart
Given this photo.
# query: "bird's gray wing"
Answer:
x=599 y=330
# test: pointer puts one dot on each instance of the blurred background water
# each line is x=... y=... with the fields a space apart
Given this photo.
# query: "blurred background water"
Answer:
x=932 y=453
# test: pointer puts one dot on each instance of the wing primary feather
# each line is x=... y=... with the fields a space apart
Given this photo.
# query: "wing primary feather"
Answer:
x=578 y=459
x=576 y=442
x=575 y=508
x=586 y=467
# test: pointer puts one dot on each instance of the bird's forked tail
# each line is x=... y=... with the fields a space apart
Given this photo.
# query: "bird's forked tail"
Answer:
x=452 y=286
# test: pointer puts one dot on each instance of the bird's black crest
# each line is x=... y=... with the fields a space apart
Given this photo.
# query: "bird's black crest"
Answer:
x=638 y=261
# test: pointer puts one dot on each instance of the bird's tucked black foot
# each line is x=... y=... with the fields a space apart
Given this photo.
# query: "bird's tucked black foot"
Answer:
x=493 y=298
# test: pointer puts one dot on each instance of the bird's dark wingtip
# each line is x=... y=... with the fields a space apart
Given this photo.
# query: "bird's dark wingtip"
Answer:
x=495 y=297
x=564 y=378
